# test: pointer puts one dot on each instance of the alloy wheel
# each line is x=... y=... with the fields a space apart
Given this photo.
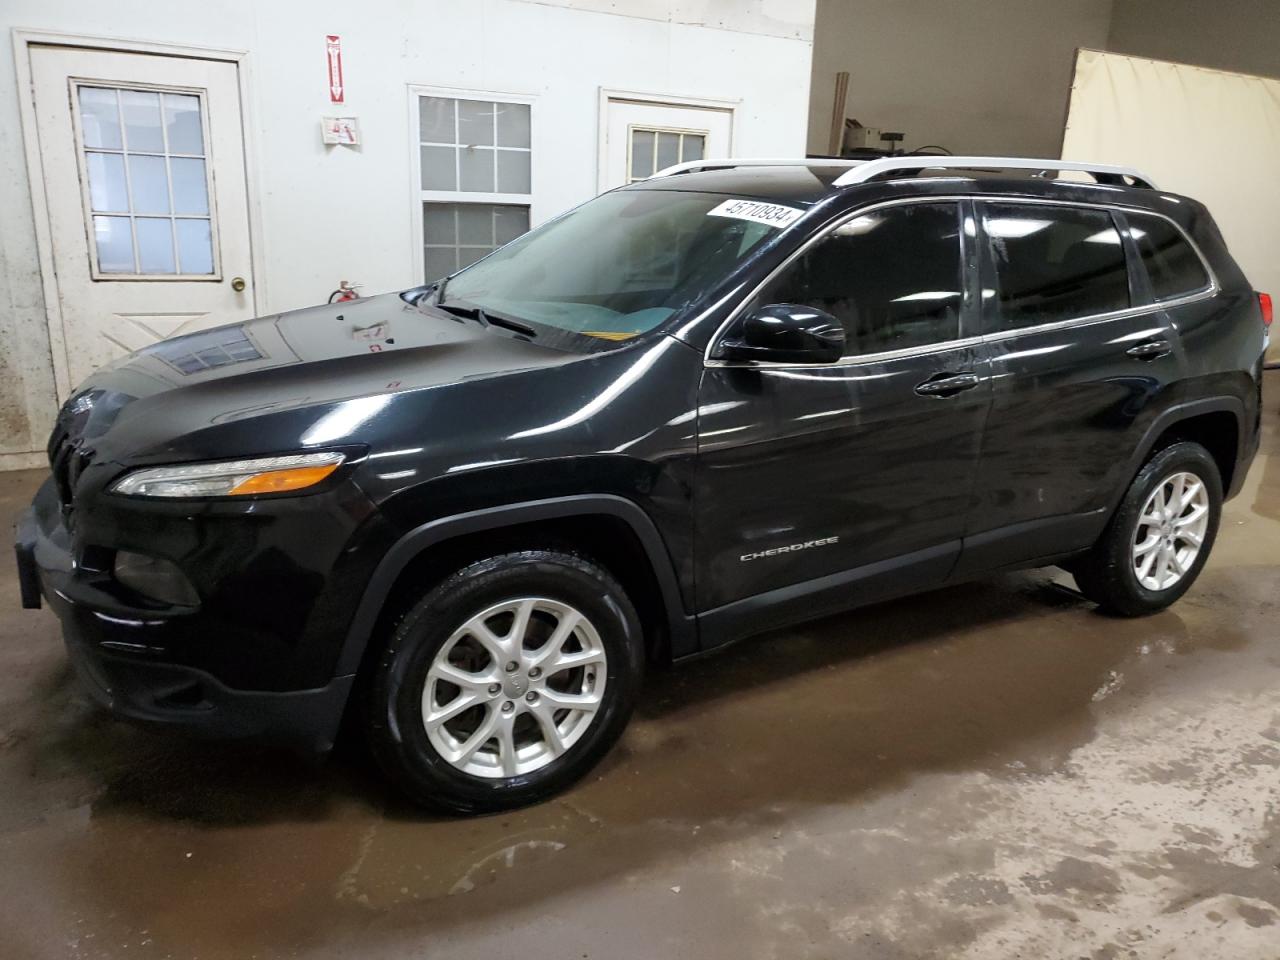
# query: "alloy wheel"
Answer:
x=1171 y=531
x=514 y=687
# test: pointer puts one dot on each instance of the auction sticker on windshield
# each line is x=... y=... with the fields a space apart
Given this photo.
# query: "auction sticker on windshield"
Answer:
x=770 y=214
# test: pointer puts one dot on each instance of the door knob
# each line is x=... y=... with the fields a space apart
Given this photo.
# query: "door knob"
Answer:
x=237 y=284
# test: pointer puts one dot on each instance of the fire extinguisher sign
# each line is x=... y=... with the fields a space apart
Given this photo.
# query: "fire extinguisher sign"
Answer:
x=333 y=47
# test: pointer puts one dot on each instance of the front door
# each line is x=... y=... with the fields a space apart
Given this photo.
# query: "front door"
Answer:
x=643 y=137
x=143 y=165
x=821 y=485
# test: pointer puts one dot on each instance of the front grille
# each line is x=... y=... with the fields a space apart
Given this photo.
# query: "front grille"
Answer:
x=67 y=461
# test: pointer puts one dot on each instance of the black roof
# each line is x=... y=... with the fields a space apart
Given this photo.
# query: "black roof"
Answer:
x=804 y=185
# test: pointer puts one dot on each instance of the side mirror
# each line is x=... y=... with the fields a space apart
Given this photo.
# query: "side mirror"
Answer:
x=787 y=333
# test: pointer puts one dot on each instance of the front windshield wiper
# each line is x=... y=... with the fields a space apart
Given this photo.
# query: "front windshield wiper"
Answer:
x=473 y=312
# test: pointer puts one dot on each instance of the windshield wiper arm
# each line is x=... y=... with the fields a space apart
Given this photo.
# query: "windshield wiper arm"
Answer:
x=489 y=319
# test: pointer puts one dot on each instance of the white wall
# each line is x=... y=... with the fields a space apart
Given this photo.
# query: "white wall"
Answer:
x=328 y=214
x=976 y=76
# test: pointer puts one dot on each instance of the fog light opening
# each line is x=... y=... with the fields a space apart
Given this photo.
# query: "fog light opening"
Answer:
x=154 y=578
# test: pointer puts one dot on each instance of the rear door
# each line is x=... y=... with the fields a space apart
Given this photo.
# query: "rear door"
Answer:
x=1080 y=358
x=857 y=471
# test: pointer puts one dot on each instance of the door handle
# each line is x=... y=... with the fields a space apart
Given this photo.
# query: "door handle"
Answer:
x=237 y=284
x=948 y=385
x=1150 y=350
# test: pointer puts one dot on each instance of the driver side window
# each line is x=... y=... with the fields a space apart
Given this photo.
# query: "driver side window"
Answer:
x=892 y=277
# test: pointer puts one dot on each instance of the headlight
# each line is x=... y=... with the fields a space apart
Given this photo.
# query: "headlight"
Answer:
x=231 y=478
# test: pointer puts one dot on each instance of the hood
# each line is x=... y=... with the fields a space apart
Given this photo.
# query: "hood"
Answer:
x=373 y=347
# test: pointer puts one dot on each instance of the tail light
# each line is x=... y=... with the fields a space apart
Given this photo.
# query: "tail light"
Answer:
x=1268 y=312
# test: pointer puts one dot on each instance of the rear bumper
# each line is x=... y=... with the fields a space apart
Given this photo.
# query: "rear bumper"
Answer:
x=119 y=655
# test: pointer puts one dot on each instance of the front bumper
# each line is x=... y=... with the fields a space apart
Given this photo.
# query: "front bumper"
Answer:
x=120 y=653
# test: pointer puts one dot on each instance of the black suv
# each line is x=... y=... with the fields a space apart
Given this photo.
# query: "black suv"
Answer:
x=728 y=398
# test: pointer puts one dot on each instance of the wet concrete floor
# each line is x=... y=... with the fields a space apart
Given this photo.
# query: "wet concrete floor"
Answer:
x=990 y=770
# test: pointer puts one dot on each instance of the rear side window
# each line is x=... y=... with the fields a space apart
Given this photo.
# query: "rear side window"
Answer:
x=1175 y=269
x=892 y=278
x=1051 y=264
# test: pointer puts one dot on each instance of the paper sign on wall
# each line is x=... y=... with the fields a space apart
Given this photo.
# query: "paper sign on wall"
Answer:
x=333 y=47
x=343 y=130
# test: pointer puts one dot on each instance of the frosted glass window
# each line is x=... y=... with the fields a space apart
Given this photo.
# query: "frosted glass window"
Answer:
x=149 y=181
x=652 y=149
x=182 y=123
x=155 y=244
x=114 y=236
x=143 y=154
x=475 y=224
x=437 y=120
x=474 y=146
x=475 y=123
x=100 y=118
x=142 y=128
x=473 y=152
x=668 y=150
x=108 y=192
x=475 y=170
x=456 y=235
x=513 y=172
x=439 y=168
x=190 y=185
x=195 y=245
x=509 y=223
x=513 y=124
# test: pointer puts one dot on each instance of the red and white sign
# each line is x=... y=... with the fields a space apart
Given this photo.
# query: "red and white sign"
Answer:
x=333 y=46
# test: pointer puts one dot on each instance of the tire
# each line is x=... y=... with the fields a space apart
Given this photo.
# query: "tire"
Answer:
x=1109 y=574
x=463 y=629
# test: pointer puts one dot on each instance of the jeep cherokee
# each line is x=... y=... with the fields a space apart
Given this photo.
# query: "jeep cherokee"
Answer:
x=722 y=400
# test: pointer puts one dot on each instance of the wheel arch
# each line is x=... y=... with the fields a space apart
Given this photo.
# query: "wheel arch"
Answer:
x=613 y=530
x=1216 y=423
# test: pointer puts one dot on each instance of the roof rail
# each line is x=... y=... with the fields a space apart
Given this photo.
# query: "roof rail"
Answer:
x=691 y=166
x=1101 y=172
x=860 y=171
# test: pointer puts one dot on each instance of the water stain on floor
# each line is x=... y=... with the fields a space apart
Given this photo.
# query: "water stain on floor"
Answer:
x=989 y=768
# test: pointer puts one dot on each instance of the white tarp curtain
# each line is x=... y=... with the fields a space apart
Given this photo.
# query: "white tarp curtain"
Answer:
x=1205 y=133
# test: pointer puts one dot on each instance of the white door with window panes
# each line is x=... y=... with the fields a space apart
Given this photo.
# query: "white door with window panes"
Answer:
x=642 y=138
x=475 y=177
x=143 y=162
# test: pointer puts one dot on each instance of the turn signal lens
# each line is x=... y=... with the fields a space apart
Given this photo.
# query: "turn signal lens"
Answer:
x=232 y=478
x=1268 y=311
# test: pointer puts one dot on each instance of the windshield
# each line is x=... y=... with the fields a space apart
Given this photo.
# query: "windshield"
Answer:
x=617 y=266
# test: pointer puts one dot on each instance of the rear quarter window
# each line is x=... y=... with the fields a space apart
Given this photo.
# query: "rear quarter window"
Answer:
x=1050 y=264
x=1173 y=266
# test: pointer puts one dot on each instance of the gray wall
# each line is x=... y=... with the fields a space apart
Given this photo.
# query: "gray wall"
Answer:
x=1238 y=35
x=977 y=76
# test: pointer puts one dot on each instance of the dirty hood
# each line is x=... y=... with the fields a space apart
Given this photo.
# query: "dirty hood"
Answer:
x=301 y=359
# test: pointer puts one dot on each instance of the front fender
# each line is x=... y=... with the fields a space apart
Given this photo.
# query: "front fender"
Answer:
x=682 y=627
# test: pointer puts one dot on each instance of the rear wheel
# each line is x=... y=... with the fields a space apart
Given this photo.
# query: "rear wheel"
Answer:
x=506 y=682
x=1160 y=537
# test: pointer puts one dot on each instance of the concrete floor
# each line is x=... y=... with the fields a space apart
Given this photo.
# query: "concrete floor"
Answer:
x=993 y=770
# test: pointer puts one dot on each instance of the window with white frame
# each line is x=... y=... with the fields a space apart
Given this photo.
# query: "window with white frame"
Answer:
x=650 y=149
x=144 y=156
x=474 y=160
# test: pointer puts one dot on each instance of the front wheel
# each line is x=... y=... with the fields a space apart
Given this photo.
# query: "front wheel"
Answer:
x=506 y=682
x=1160 y=537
